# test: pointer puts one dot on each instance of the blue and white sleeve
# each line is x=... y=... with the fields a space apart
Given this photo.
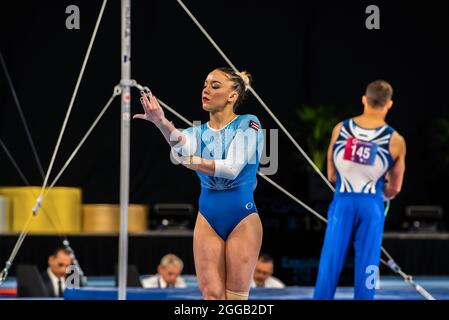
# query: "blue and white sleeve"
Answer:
x=242 y=150
x=188 y=145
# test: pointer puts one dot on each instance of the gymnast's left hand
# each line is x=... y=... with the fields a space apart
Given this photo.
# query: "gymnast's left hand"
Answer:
x=153 y=111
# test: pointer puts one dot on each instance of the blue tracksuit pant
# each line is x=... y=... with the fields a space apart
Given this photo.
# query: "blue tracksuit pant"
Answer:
x=358 y=220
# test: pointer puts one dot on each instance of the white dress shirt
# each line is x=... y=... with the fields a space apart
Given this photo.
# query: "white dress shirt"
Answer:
x=271 y=282
x=54 y=281
x=156 y=281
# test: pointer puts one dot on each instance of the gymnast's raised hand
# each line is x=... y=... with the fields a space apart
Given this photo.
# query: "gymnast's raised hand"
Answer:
x=175 y=138
x=153 y=111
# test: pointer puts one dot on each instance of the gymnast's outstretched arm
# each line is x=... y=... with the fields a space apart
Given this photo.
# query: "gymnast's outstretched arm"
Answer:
x=174 y=137
x=228 y=168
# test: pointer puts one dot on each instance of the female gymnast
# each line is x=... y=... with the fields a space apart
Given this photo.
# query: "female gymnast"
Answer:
x=225 y=154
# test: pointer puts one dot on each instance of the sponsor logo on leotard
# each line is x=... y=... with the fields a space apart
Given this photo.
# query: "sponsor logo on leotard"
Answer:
x=249 y=205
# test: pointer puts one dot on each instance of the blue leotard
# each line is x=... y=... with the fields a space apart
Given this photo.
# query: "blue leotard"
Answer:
x=227 y=197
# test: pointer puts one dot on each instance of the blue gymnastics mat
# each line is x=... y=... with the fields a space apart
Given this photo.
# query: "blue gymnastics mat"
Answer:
x=388 y=292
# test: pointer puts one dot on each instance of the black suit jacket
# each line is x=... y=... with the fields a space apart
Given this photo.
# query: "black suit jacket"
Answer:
x=48 y=285
x=30 y=282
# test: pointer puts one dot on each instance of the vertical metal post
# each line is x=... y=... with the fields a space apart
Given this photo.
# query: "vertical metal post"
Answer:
x=124 y=147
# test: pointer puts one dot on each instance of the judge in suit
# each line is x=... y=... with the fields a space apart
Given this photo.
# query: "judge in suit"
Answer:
x=54 y=276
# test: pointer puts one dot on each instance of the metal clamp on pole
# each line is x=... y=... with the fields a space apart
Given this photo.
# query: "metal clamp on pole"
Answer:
x=141 y=88
x=37 y=205
x=393 y=266
x=127 y=83
x=117 y=90
x=4 y=272
x=408 y=278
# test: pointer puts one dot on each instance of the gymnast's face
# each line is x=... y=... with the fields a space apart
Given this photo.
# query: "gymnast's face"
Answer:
x=218 y=92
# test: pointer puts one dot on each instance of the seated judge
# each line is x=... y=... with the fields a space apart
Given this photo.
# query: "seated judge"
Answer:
x=263 y=274
x=54 y=276
x=168 y=274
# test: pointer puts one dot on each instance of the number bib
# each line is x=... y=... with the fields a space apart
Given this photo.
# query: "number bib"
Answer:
x=360 y=151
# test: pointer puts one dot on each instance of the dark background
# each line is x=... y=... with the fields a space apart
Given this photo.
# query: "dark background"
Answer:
x=299 y=52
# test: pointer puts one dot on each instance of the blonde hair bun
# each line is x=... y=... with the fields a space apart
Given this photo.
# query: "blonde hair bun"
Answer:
x=246 y=76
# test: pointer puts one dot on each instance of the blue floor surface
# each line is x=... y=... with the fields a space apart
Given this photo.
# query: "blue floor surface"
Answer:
x=391 y=288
